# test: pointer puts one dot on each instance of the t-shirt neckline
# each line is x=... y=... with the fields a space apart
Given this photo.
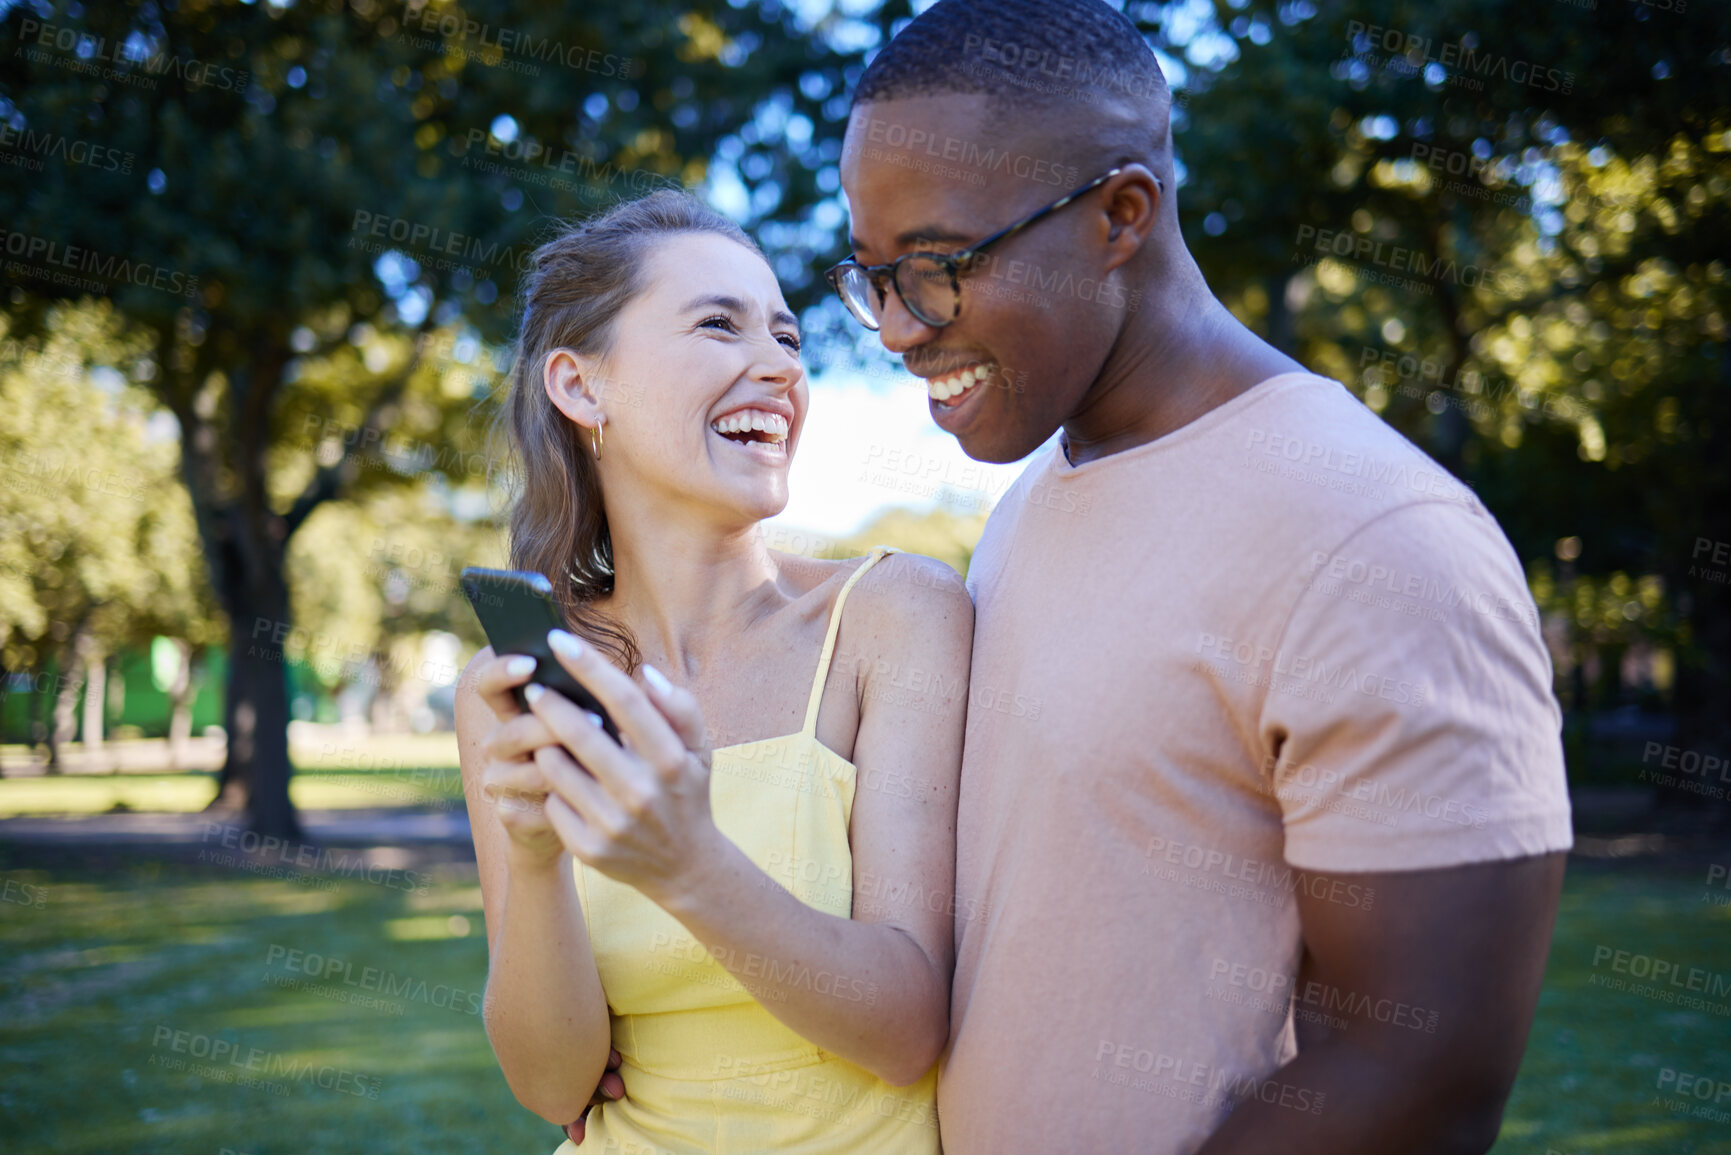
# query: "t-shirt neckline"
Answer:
x=1060 y=462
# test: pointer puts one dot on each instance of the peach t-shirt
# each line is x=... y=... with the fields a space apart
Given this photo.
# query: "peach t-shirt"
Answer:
x=1278 y=640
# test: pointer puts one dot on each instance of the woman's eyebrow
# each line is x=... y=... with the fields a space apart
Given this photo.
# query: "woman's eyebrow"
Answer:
x=735 y=305
x=731 y=304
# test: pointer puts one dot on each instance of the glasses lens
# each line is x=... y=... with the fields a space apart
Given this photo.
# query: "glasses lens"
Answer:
x=928 y=289
x=858 y=295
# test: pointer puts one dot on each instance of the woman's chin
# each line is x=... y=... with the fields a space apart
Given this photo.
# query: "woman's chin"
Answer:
x=757 y=502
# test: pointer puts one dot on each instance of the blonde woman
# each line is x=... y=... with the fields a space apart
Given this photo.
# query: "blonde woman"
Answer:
x=747 y=899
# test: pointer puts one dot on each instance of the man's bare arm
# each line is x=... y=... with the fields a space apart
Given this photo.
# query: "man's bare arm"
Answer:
x=1468 y=943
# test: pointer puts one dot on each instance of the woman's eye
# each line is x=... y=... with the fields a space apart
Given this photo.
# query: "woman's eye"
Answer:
x=788 y=339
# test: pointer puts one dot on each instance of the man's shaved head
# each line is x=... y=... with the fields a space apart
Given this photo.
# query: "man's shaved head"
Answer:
x=978 y=114
x=1076 y=70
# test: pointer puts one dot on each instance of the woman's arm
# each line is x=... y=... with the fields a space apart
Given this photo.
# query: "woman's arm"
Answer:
x=545 y=1012
x=887 y=970
x=873 y=989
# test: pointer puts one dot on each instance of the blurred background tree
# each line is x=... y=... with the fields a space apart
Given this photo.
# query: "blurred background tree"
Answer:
x=338 y=199
x=316 y=190
x=97 y=546
x=1566 y=178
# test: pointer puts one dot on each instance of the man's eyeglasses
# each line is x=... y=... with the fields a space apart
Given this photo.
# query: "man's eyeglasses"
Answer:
x=930 y=284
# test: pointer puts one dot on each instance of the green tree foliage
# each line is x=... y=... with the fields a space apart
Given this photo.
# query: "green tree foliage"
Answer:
x=97 y=545
x=948 y=536
x=287 y=198
x=1508 y=227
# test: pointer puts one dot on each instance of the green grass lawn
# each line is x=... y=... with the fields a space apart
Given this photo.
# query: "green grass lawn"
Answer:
x=99 y=981
x=186 y=793
x=114 y=972
x=1591 y=1080
x=311 y=788
x=364 y=771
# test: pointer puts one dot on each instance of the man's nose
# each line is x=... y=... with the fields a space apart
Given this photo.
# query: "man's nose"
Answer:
x=899 y=329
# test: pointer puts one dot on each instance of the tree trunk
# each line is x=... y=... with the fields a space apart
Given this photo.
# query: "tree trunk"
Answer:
x=384 y=713
x=5 y=689
x=180 y=697
x=39 y=709
x=245 y=542
x=255 y=772
x=95 y=697
x=72 y=662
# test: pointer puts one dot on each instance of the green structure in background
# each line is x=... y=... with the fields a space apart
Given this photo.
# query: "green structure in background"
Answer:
x=139 y=705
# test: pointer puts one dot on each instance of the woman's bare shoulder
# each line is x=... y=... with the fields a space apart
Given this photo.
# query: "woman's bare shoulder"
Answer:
x=910 y=597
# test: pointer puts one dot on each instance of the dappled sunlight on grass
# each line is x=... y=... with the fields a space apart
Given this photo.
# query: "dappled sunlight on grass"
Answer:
x=1653 y=1136
x=154 y=965
x=97 y=794
x=1590 y=1081
x=345 y=789
x=424 y=927
x=120 y=976
x=461 y=900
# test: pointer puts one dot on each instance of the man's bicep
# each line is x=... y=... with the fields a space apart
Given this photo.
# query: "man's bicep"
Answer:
x=1439 y=972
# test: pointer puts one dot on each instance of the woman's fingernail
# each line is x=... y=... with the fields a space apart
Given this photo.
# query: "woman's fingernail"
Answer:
x=656 y=678
x=533 y=691
x=595 y=719
x=566 y=645
x=520 y=666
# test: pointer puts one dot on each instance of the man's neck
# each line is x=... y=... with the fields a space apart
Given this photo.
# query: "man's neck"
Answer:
x=1173 y=364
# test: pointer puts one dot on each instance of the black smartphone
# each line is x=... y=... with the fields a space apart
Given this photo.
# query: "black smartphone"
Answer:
x=516 y=609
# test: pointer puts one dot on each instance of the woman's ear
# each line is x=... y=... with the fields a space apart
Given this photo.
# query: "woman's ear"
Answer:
x=573 y=384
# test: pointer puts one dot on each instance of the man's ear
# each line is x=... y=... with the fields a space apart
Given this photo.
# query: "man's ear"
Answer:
x=573 y=384
x=1132 y=206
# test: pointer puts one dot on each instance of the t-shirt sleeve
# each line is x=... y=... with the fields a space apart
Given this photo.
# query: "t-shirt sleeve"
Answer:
x=1417 y=727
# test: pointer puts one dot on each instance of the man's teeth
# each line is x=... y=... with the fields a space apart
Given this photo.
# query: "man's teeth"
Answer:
x=955 y=384
x=773 y=426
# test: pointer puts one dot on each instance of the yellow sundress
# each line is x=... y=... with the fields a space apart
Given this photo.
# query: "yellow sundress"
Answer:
x=706 y=1067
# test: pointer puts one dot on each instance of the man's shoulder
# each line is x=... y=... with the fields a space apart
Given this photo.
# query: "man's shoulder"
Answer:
x=1315 y=452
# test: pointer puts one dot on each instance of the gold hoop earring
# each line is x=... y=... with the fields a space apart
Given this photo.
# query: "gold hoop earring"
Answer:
x=595 y=439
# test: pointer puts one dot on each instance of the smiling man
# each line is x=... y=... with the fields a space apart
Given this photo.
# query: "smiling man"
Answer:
x=1263 y=810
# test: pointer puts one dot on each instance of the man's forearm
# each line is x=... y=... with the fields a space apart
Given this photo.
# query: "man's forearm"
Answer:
x=1339 y=1099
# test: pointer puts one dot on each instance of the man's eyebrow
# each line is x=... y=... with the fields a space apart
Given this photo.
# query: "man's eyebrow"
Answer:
x=735 y=305
x=912 y=236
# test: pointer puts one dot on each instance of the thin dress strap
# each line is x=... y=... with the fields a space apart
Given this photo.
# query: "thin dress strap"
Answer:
x=823 y=662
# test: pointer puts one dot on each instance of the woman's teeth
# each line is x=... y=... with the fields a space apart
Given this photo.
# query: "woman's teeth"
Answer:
x=771 y=427
x=953 y=385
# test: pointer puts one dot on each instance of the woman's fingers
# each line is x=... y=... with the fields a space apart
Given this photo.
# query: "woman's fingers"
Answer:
x=636 y=716
x=515 y=788
x=517 y=739
x=577 y=731
x=679 y=706
x=577 y=836
x=570 y=783
x=496 y=677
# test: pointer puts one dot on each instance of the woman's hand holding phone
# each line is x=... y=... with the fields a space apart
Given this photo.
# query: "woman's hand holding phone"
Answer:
x=511 y=779
x=637 y=812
